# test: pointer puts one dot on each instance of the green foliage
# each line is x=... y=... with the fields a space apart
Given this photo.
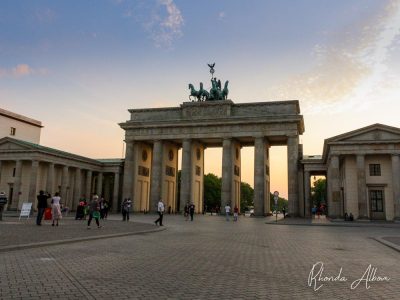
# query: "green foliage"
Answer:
x=212 y=190
x=282 y=203
x=246 y=196
x=318 y=192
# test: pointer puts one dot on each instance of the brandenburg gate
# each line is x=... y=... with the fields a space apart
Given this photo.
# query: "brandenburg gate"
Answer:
x=153 y=137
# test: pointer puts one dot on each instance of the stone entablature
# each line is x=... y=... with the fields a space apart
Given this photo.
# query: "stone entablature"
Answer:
x=217 y=120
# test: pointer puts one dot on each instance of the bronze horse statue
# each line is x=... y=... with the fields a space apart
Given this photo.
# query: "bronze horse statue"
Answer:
x=193 y=93
x=204 y=95
x=225 y=91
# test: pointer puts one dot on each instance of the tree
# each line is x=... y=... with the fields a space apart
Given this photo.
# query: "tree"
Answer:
x=246 y=196
x=282 y=203
x=212 y=190
x=318 y=192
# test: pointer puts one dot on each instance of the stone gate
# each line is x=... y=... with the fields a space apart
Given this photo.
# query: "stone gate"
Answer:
x=154 y=136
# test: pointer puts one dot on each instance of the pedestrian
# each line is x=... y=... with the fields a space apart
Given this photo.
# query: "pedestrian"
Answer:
x=235 y=213
x=106 y=208
x=126 y=206
x=284 y=212
x=94 y=211
x=227 y=211
x=160 y=211
x=41 y=206
x=191 y=211
x=186 y=211
x=101 y=205
x=56 y=209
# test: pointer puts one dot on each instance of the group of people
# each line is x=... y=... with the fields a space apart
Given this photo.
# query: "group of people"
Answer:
x=55 y=207
x=96 y=209
x=318 y=210
x=228 y=212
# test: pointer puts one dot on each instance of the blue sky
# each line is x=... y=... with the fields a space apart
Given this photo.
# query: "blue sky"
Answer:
x=79 y=65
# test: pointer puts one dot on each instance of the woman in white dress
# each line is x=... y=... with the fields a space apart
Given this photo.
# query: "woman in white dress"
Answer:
x=56 y=208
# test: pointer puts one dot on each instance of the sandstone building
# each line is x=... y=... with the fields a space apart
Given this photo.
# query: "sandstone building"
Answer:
x=362 y=167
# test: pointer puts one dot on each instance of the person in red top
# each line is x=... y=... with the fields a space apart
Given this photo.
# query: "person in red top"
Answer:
x=235 y=213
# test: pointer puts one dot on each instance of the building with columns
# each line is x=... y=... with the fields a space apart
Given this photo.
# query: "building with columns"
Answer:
x=26 y=168
x=154 y=136
x=362 y=168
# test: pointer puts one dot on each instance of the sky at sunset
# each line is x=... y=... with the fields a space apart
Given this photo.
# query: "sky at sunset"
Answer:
x=77 y=66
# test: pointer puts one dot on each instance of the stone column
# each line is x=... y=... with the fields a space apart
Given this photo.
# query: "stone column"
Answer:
x=396 y=185
x=129 y=170
x=88 y=190
x=226 y=188
x=293 y=156
x=115 y=203
x=186 y=173
x=307 y=194
x=50 y=179
x=33 y=183
x=156 y=175
x=99 y=189
x=334 y=193
x=361 y=185
x=77 y=188
x=64 y=185
x=17 y=185
x=1 y=164
x=259 y=176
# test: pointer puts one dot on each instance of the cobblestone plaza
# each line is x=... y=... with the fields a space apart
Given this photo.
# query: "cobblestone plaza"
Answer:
x=208 y=258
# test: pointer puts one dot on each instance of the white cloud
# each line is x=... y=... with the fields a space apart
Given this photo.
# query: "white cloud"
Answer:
x=21 y=70
x=166 y=23
x=354 y=72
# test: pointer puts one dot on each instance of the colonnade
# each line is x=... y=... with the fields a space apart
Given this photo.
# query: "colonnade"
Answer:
x=155 y=157
x=24 y=178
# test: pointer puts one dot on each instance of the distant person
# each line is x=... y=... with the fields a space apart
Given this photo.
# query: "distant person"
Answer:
x=41 y=206
x=94 y=211
x=227 y=211
x=191 y=211
x=186 y=211
x=126 y=206
x=160 y=211
x=235 y=213
x=56 y=209
x=284 y=212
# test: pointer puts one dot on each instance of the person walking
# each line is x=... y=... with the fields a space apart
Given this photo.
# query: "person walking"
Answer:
x=235 y=213
x=160 y=211
x=94 y=211
x=41 y=206
x=227 y=211
x=126 y=206
x=191 y=211
x=186 y=211
x=56 y=209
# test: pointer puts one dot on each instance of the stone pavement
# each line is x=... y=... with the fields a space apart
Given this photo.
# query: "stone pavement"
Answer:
x=206 y=259
x=24 y=233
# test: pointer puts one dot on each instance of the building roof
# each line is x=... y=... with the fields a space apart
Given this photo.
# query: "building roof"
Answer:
x=20 y=118
x=62 y=153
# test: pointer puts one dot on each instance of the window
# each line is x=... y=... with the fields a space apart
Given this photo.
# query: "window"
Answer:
x=376 y=198
x=12 y=131
x=375 y=170
x=170 y=171
x=143 y=171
